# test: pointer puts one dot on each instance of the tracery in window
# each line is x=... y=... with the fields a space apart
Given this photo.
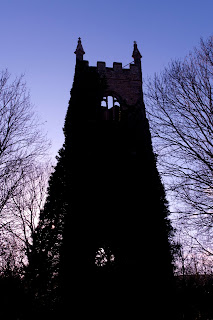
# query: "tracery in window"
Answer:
x=104 y=257
x=110 y=109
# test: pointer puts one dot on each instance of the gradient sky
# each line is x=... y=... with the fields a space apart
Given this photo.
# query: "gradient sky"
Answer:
x=39 y=37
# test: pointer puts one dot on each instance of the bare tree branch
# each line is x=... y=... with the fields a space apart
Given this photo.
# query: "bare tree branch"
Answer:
x=180 y=110
x=23 y=145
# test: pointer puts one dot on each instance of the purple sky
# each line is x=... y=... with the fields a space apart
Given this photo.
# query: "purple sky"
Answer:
x=39 y=37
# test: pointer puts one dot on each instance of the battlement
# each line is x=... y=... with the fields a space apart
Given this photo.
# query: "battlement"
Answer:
x=123 y=83
x=117 y=67
x=101 y=66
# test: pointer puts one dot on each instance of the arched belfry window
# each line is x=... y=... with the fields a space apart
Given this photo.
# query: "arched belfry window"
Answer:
x=110 y=109
x=104 y=257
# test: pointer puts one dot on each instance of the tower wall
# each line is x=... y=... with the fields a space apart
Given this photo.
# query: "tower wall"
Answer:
x=110 y=244
x=125 y=83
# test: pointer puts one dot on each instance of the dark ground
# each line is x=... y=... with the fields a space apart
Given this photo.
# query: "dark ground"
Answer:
x=193 y=301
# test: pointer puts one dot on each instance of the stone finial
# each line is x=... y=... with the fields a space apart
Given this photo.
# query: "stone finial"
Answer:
x=136 y=53
x=79 y=50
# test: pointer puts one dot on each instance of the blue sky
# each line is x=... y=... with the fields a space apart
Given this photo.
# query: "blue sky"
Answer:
x=39 y=37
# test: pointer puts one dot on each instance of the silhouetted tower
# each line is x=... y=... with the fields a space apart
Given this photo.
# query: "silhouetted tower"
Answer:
x=116 y=249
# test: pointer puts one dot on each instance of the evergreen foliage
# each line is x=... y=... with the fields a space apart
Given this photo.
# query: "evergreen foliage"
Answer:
x=105 y=201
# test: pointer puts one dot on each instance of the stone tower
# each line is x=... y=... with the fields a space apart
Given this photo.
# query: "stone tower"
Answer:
x=116 y=253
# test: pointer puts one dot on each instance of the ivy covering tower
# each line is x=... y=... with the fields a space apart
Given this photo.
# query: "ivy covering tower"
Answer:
x=102 y=245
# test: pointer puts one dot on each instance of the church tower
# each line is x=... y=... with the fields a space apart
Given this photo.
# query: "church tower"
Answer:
x=104 y=230
x=117 y=227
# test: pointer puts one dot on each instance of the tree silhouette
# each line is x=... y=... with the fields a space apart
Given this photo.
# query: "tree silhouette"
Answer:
x=102 y=244
x=179 y=102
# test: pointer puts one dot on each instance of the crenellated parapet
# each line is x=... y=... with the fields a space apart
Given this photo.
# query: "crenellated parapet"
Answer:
x=123 y=83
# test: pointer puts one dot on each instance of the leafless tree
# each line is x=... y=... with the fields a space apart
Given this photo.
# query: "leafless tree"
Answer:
x=179 y=104
x=21 y=214
x=21 y=139
x=22 y=146
x=191 y=258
